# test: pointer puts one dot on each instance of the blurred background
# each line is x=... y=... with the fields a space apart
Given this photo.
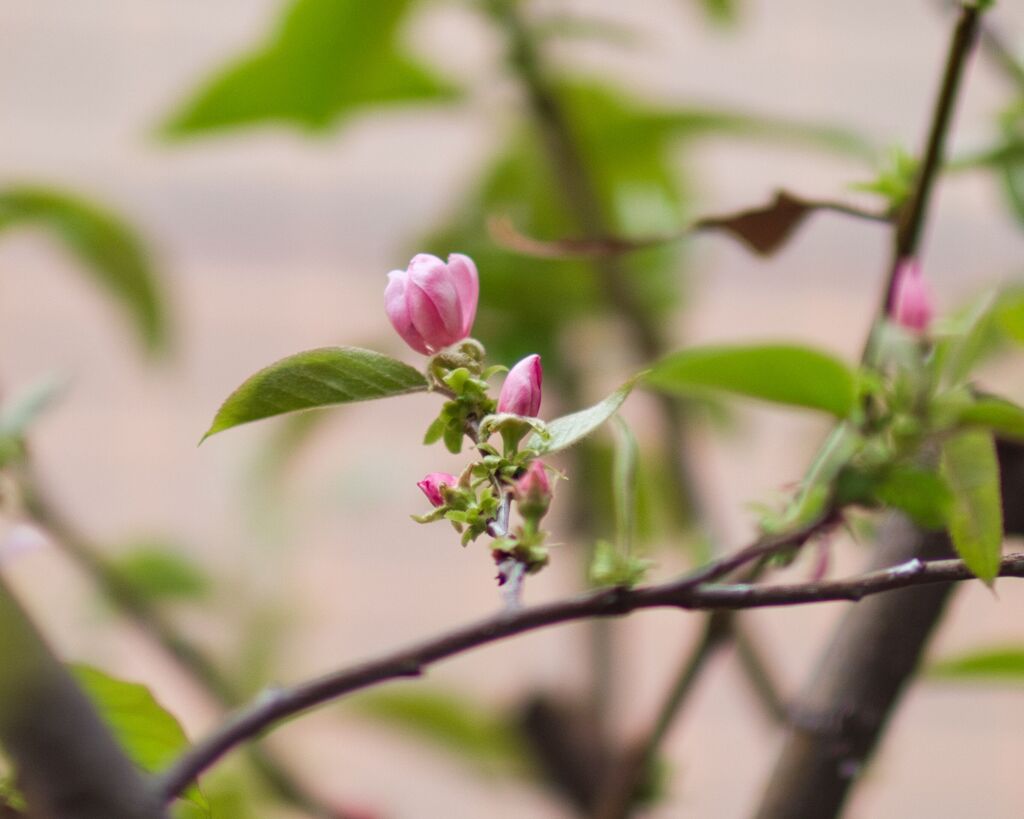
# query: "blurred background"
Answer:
x=270 y=204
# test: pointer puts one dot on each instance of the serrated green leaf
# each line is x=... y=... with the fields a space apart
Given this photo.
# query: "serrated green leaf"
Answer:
x=453 y=722
x=160 y=572
x=316 y=378
x=327 y=60
x=970 y=466
x=924 y=496
x=781 y=373
x=569 y=429
x=996 y=664
x=149 y=734
x=105 y=245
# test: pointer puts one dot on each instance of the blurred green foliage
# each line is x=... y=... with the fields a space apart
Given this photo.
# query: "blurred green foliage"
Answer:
x=105 y=245
x=993 y=664
x=149 y=734
x=326 y=60
x=782 y=373
x=160 y=572
x=485 y=737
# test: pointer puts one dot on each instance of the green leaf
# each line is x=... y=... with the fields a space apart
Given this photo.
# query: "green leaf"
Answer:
x=785 y=374
x=895 y=180
x=450 y=721
x=149 y=734
x=924 y=496
x=326 y=61
x=159 y=572
x=966 y=338
x=316 y=378
x=563 y=432
x=722 y=12
x=1010 y=314
x=970 y=467
x=18 y=412
x=996 y=664
x=611 y=566
x=1009 y=158
x=996 y=414
x=106 y=247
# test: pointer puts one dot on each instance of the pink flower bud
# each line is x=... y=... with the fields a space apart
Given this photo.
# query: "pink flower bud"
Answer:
x=431 y=486
x=433 y=304
x=911 y=297
x=533 y=490
x=520 y=394
x=534 y=482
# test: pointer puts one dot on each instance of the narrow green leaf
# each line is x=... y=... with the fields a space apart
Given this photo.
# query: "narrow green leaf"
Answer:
x=161 y=572
x=997 y=414
x=149 y=734
x=924 y=496
x=970 y=466
x=785 y=374
x=453 y=722
x=569 y=429
x=1010 y=315
x=316 y=378
x=966 y=338
x=105 y=245
x=996 y=664
x=327 y=60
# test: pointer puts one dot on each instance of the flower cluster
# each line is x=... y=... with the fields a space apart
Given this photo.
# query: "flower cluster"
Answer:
x=432 y=306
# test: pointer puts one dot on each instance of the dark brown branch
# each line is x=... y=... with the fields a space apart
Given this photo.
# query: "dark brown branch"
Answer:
x=67 y=763
x=876 y=648
x=281 y=704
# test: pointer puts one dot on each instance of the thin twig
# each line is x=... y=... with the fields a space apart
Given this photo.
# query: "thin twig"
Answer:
x=281 y=704
x=506 y=234
x=912 y=217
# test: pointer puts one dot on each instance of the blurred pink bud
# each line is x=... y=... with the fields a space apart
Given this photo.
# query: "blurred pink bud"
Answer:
x=911 y=297
x=533 y=490
x=431 y=486
x=433 y=304
x=520 y=394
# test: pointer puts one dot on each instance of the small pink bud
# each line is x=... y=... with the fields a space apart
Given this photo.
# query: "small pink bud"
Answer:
x=520 y=394
x=911 y=297
x=431 y=486
x=534 y=481
x=533 y=490
x=432 y=304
